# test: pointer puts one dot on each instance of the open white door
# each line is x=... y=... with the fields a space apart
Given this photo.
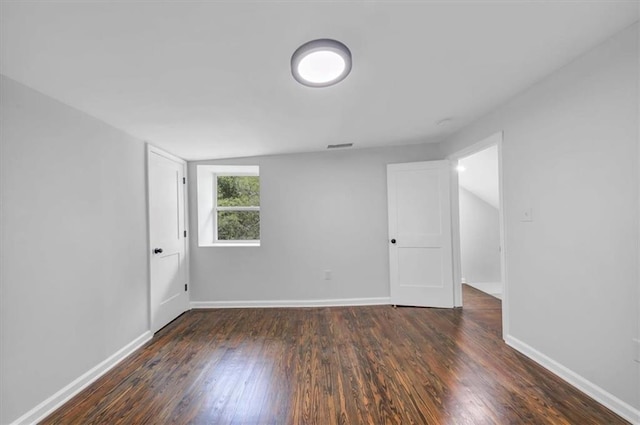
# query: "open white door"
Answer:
x=420 y=251
x=167 y=237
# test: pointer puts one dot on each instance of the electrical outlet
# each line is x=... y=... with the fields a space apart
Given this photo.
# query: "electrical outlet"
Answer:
x=327 y=275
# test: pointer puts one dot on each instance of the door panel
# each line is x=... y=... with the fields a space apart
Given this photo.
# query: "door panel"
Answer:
x=421 y=259
x=418 y=203
x=169 y=277
x=420 y=267
x=168 y=267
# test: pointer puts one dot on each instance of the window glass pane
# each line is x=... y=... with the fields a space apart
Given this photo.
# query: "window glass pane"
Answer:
x=238 y=191
x=238 y=225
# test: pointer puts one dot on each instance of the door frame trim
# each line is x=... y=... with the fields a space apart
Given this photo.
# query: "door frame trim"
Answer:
x=495 y=139
x=153 y=149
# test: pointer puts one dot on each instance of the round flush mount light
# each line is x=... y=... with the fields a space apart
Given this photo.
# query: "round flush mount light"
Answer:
x=321 y=63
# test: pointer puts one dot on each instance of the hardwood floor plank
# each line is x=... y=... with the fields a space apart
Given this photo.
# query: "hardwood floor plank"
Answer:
x=342 y=365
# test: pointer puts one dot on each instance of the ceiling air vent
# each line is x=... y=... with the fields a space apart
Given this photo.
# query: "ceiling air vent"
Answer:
x=340 y=146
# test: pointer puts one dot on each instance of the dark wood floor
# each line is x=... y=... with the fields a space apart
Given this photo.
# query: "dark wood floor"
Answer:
x=343 y=365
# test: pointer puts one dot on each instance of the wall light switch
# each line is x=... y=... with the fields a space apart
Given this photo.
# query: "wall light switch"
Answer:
x=527 y=215
x=636 y=350
x=327 y=275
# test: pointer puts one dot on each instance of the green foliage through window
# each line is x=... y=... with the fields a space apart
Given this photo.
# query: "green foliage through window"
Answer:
x=238 y=225
x=242 y=192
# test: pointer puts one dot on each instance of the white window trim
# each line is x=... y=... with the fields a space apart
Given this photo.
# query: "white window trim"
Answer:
x=219 y=208
x=207 y=208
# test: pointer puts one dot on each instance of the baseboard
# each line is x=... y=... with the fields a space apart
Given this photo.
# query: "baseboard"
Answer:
x=65 y=394
x=291 y=303
x=603 y=397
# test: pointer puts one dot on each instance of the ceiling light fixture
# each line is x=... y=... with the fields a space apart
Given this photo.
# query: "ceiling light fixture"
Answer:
x=321 y=63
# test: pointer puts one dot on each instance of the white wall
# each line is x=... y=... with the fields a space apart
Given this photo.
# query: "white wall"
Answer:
x=319 y=211
x=570 y=152
x=479 y=243
x=74 y=242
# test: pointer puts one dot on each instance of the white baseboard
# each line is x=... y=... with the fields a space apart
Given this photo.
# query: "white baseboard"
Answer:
x=47 y=407
x=291 y=303
x=603 y=397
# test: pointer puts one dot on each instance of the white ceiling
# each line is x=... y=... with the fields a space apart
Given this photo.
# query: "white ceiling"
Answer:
x=212 y=79
x=480 y=175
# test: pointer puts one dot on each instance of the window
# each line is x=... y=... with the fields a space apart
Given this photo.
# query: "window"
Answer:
x=238 y=208
x=228 y=205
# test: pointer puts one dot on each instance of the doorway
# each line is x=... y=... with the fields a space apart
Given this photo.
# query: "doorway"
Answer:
x=479 y=228
x=479 y=212
x=168 y=262
x=420 y=240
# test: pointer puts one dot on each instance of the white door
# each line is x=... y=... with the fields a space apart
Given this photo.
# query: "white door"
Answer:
x=167 y=237
x=420 y=250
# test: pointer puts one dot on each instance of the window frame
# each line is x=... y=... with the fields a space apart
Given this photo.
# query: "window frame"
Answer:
x=207 y=176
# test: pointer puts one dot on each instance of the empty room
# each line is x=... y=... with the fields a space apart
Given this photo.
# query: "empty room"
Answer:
x=319 y=212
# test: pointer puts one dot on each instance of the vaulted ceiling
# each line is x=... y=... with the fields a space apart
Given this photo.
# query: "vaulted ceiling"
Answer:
x=479 y=174
x=212 y=79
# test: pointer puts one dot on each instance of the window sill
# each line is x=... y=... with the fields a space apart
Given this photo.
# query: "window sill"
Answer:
x=229 y=244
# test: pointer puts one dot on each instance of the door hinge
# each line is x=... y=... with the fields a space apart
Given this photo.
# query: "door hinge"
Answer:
x=184 y=180
x=185 y=233
x=185 y=287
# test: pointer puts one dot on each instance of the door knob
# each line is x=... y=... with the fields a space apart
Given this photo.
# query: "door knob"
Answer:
x=157 y=251
x=393 y=241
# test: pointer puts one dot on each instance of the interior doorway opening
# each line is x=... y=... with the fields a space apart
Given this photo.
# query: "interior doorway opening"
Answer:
x=479 y=251
x=479 y=212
